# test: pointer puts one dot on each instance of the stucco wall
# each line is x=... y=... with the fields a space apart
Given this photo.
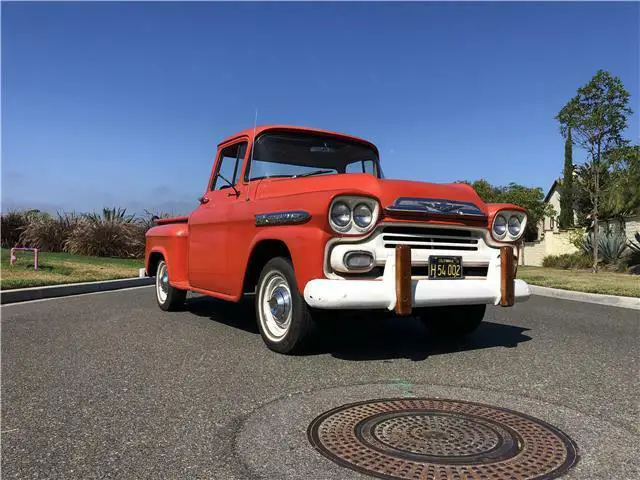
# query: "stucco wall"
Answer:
x=553 y=243
x=558 y=242
x=630 y=226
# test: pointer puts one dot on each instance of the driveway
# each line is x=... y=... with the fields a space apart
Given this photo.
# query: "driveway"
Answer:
x=109 y=386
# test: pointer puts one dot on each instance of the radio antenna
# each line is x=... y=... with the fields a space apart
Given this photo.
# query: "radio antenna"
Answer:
x=253 y=141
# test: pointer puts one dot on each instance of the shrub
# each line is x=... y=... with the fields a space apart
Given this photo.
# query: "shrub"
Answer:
x=567 y=260
x=112 y=234
x=11 y=226
x=576 y=238
x=47 y=233
x=611 y=246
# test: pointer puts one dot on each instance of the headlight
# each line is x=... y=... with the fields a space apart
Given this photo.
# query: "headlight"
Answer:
x=340 y=214
x=353 y=215
x=362 y=215
x=514 y=226
x=500 y=226
x=509 y=225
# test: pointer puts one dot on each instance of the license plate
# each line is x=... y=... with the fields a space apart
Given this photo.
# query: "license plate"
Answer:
x=441 y=268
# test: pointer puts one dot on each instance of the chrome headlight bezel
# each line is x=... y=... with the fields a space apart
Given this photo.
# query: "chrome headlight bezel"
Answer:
x=333 y=218
x=355 y=215
x=508 y=216
x=352 y=201
x=499 y=220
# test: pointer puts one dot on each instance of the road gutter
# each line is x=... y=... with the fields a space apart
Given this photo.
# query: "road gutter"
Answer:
x=609 y=300
x=52 y=291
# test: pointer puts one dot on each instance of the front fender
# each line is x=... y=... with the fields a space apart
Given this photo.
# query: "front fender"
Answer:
x=306 y=244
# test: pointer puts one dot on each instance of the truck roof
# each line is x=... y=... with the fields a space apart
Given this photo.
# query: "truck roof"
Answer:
x=249 y=132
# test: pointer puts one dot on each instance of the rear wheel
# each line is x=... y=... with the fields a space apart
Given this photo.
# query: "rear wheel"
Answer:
x=284 y=319
x=169 y=298
x=452 y=321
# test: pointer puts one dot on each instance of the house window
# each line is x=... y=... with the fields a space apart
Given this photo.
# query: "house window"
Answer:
x=551 y=222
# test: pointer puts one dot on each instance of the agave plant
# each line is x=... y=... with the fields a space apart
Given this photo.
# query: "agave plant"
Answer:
x=635 y=246
x=111 y=215
x=611 y=246
x=112 y=234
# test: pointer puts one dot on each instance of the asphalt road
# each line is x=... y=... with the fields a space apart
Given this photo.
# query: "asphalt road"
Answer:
x=109 y=386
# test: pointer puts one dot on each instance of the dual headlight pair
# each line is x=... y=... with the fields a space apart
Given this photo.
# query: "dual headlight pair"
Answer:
x=357 y=215
x=353 y=214
x=508 y=225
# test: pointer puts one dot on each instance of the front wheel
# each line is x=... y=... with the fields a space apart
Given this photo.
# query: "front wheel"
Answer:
x=452 y=321
x=169 y=298
x=284 y=319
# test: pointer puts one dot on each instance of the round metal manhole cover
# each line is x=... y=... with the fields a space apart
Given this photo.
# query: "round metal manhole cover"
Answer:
x=422 y=438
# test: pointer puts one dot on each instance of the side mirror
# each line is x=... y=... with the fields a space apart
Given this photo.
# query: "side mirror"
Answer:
x=203 y=200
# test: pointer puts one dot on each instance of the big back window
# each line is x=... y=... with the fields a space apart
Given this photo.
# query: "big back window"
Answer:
x=295 y=154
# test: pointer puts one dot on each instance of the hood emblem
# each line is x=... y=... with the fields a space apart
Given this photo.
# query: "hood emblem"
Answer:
x=435 y=206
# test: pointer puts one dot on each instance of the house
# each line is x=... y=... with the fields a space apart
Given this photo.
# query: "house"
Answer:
x=552 y=240
x=552 y=223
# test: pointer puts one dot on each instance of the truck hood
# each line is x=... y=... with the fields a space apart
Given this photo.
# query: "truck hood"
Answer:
x=386 y=191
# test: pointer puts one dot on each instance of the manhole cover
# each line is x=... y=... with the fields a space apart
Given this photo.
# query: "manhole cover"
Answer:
x=421 y=438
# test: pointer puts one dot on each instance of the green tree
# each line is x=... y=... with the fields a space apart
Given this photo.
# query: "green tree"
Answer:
x=623 y=195
x=566 y=199
x=487 y=192
x=599 y=114
x=566 y=118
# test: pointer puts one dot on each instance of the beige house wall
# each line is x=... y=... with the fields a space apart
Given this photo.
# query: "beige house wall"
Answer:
x=558 y=242
x=553 y=243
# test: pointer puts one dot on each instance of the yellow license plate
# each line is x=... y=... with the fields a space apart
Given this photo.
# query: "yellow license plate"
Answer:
x=445 y=268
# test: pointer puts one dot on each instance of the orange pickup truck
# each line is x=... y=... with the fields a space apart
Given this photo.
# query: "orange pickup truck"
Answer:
x=305 y=220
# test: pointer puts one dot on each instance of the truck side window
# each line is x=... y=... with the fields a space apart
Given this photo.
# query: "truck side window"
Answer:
x=229 y=166
x=361 y=166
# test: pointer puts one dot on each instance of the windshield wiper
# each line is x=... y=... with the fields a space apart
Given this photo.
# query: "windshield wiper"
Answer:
x=314 y=172
x=271 y=176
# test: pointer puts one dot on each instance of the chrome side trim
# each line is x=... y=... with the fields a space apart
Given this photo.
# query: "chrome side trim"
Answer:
x=292 y=217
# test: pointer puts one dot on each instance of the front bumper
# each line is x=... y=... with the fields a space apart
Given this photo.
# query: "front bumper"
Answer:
x=382 y=293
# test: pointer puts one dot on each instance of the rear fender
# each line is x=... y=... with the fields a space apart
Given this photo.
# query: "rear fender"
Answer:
x=170 y=241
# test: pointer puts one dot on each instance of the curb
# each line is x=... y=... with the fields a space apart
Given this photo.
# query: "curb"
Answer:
x=609 y=300
x=51 y=291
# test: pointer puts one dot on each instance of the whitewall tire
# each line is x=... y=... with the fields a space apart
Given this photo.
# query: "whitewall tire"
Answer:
x=169 y=298
x=282 y=314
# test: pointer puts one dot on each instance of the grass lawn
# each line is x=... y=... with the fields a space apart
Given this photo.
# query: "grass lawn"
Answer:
x=58 y=268
x=582 y=280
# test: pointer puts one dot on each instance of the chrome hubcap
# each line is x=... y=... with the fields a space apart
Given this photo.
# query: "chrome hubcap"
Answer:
x=275 y=306
x=280 y=304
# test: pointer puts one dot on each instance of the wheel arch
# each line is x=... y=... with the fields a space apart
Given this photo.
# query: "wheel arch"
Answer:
x=263 y=251
x=155 y=256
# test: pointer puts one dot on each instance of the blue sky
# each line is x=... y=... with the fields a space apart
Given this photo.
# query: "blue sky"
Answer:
x=123 y=104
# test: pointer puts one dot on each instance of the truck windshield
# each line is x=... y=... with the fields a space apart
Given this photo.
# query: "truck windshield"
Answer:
x=293 y=154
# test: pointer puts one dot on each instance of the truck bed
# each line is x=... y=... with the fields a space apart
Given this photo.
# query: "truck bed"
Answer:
x=166 y=221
